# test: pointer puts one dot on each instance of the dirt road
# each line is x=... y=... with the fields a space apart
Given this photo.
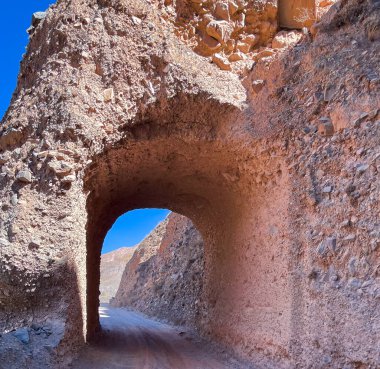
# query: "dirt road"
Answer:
x=131 y=341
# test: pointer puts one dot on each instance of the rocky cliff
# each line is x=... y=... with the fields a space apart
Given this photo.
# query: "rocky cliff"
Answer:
x=277 y=164
x=112 y=266
x=164 y=278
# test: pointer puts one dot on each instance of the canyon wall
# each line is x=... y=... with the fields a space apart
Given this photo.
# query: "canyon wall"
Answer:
x=164 y=279
x=112 y=265
x=276 y=164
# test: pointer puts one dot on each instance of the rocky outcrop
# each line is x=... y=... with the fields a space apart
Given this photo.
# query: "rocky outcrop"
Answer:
x=231 y=33
x=164 y=278
x=112 y=265
x=278 y=170
x=235 y=34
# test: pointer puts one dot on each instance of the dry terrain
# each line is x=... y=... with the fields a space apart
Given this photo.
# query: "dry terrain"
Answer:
x=164 y=278
x=130 y=340
x=112 y=265
x=267 y=139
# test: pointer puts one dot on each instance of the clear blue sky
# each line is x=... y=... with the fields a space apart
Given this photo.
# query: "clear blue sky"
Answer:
x=130 y=228
x=16 y=19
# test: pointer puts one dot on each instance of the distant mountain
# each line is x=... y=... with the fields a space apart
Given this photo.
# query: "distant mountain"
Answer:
x=112 y=266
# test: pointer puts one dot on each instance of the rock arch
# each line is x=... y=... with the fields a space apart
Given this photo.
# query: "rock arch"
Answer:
x=202 y=176
x=113 y=112
x=168 y=132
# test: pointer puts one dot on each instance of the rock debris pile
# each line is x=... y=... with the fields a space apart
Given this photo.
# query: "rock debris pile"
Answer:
x=234 y=34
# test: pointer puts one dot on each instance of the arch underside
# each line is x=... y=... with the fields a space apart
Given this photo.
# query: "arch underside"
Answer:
x=222 y=188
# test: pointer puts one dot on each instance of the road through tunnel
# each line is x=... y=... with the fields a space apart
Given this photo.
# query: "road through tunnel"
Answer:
x=268 y=142
x=224 y=191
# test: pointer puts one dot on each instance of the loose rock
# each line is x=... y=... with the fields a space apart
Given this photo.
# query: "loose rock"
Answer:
x=24 y=176
x=22 y=334
x=108 y=95
x=221 y=62
x=326 y=128
x=286 y=39
x=220 y=30
x=258 y=85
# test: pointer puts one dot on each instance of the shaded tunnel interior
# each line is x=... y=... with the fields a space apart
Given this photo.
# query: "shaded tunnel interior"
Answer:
x=155 y=175
x=236 y=200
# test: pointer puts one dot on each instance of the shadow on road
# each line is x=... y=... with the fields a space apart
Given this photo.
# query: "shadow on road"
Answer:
x=131 y=341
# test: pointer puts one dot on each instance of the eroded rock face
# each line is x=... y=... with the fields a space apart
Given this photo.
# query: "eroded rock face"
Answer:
x=114 y=112
x=164 y=279
x=231 y=33
x=112 y=266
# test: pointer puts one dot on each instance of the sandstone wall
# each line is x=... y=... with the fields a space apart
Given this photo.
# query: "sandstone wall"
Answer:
x=279 y=171
x=164 y=279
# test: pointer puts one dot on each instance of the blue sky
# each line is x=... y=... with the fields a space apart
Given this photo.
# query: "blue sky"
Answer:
x=16 y=19
x=130 y=228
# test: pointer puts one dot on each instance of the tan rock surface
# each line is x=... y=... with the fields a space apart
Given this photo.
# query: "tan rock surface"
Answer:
x=289 y=217
x=285 y=39
x=112 y=266
x=241 y=25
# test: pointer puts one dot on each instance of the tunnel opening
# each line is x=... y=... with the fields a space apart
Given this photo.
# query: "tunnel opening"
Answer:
x=162 y=173
x=160 y=271
x=122 y=240
x=140 y=276
x=235 y=195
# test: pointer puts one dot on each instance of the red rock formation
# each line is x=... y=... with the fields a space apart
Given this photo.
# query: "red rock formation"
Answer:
x=278 y=170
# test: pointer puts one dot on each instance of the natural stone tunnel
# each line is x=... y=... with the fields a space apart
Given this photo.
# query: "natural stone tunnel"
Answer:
x=276 y=163
x=201 y=179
